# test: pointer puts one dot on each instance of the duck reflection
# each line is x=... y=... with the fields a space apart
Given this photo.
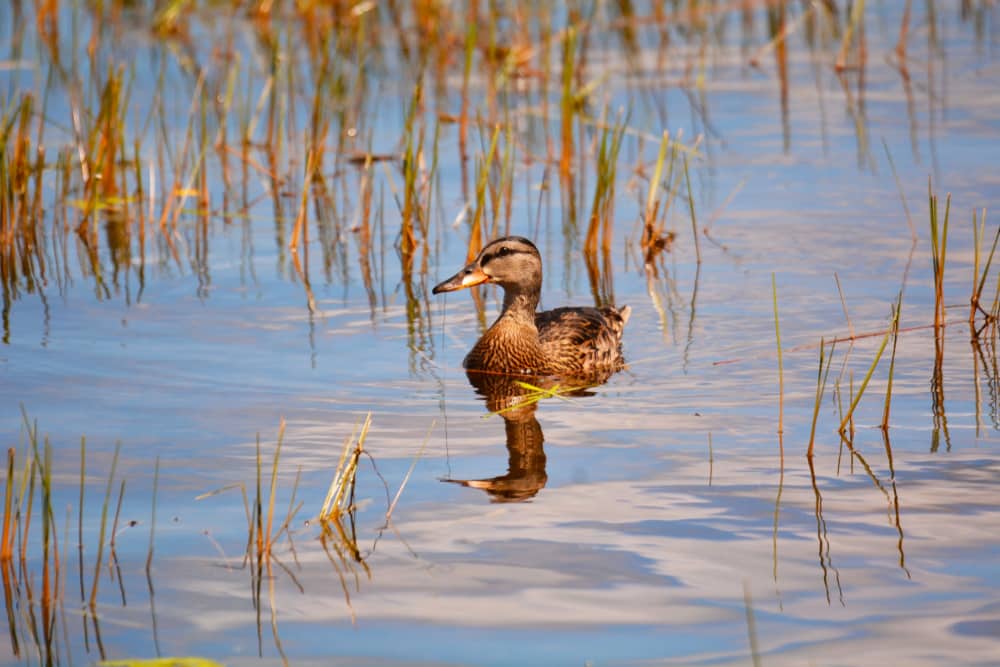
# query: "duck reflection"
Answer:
x=512 y=397
x=515 y=398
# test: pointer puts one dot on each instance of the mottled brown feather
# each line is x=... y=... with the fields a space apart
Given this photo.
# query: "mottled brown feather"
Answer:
x=582 y=342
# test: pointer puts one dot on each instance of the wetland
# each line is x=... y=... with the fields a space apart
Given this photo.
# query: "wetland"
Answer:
x=236 y=421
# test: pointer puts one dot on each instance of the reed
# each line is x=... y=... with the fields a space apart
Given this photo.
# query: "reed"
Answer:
x=50 y=549
x=822 y=374
x=532 y=395
x=694 y=221
x=79 y=514
x=27 y=494
x=114 y=522
x=266 y=539
x=651 y=231
x=413 y=155
x=939 y=252
x=168 y=18
x=567 y=109
x=856 y=398
x=103 y=527
x=463 y=123
x=602 y=213
x=894 y=328
x=904 y=31
x=7 y=539
x=503 y=194
x=979 y=278
x=340 y=495
x=476 y=224
x=850 y=417
x=855 y=25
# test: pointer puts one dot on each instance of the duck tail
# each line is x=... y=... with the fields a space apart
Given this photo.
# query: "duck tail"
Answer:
x=624 y=313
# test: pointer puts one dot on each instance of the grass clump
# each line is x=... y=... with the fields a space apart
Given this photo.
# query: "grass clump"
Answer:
x=340 y=495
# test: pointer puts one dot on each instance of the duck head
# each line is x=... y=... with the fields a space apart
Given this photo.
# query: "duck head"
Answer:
x=512 y=262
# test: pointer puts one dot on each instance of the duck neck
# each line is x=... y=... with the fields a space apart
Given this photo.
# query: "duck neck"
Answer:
x=519 y=305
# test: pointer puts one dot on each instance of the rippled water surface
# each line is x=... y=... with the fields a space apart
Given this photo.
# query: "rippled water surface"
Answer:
x=669 y=516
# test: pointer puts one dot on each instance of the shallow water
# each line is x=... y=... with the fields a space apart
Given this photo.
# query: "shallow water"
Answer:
x=664 y=521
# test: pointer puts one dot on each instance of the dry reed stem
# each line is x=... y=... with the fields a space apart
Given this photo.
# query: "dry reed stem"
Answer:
x=778 y=41
x=342 y=486
x=854 y=24
x=267 y=537
x=7 y=540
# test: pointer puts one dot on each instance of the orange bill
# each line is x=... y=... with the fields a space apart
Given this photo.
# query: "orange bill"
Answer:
x=467 y=277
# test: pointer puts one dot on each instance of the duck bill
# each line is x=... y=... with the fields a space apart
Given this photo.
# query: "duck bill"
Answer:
x=469 y=276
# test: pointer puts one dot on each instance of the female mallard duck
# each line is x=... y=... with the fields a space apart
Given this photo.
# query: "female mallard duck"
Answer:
x=569 y=342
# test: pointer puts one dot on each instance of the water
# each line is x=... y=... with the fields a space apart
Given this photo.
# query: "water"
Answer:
x=660 y=514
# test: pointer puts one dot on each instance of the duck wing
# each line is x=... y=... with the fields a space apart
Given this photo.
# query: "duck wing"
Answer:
x=582 y=342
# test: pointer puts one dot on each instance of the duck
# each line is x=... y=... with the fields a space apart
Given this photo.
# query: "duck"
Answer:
x=570 y=342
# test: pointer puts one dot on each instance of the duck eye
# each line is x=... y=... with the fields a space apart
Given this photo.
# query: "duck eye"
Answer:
x=504 y=250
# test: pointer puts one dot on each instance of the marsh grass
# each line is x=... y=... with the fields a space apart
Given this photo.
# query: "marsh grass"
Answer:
x=854 y=28
x=856 y=397
x=34 y=588
x=822 y=375
x=600 y=228
x=98 y=564
x=894 y=327
x=340 y=495
x=694 y=221
x=262 y=533
x=7 y=539
x=310 y=97
x=979 y=277
x=939 y=252
x=654 y=238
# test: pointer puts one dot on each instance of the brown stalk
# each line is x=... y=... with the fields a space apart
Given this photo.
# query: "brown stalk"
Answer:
x=7 y=541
